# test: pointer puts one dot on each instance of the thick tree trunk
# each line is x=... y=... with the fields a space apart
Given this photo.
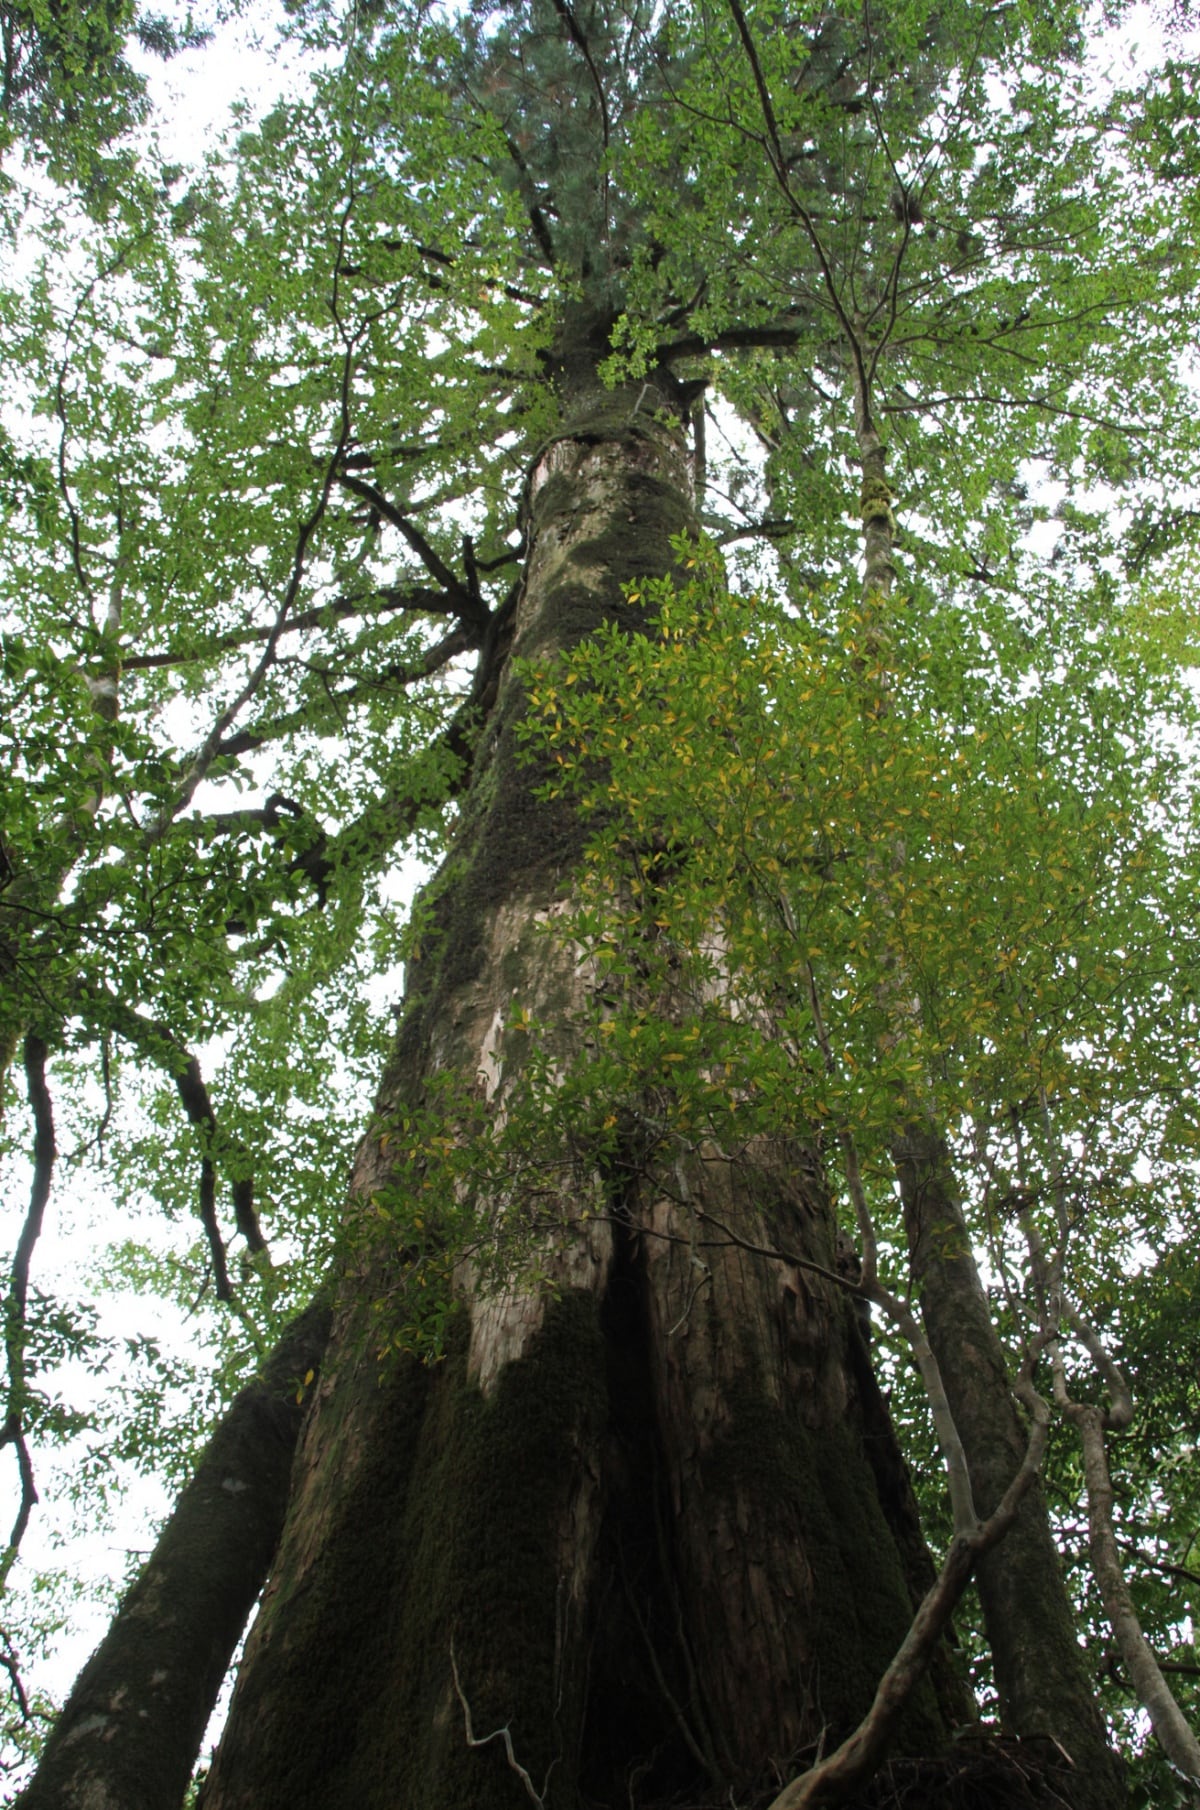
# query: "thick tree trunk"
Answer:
x=1043 y=1687
x=647 y=1528
x=128 y=1736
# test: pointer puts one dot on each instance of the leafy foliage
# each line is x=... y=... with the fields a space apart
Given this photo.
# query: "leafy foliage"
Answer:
x=263 y=531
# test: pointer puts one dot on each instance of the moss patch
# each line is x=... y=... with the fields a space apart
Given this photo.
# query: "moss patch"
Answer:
x=478 y=1547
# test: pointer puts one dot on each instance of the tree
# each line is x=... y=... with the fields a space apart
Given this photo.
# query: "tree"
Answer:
x=451 y=321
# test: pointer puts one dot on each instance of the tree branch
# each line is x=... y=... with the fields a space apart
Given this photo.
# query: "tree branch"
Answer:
x=499 y=1734
x=44 y=1152
x=398 y=672
x=159 y=1042
x=133 y=1724
x=832 y=1780
x=207 y=752
x=471 y=609
x=416 y=600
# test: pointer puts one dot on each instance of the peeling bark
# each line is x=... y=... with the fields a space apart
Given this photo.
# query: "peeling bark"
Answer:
x=131 y=1729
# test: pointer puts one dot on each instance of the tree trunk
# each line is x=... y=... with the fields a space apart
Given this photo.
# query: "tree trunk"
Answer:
x=632 y=1527
x=1043 y=1689
x=1042 y=1685
x=128 y=1736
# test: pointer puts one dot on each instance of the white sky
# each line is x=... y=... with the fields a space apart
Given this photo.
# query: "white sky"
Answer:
x=193 y=97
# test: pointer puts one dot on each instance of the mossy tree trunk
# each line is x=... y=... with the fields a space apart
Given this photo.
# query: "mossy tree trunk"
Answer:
x=658 y=1533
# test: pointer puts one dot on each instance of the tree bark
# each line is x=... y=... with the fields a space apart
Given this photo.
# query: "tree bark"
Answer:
x=128 y=1736
x=1171 y=1728
x=1043 y=1690
x=630 y=1538
x=1039 y=1669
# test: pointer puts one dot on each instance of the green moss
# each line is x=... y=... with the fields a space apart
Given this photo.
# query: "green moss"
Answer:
x=447 y=1526
x=478 y=1545
x=329 y=1611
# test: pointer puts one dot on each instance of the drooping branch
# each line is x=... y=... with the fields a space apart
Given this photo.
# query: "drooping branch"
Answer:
x=15 y=1328
x=44 y=1153
x=12 y=1665
x=159 y=1042
x=132 y=1727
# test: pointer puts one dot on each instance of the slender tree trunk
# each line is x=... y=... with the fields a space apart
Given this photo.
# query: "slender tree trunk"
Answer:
x=1043 y=1687
x=643 y=1532
x=129 y=1734
x=1172 y=1730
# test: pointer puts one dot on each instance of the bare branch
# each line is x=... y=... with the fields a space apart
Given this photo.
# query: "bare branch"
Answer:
x=11 y=1664
x=159 y=1042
